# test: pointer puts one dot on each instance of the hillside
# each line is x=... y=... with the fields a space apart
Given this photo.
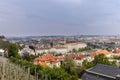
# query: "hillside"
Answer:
x=9 y=71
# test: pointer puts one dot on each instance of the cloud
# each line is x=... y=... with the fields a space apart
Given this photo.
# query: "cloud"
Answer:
x=20 y=17
x=69 y=1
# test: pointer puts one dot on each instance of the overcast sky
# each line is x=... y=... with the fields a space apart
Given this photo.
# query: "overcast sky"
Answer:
x=59 y=17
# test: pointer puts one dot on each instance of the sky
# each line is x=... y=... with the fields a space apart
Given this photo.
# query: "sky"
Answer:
x=59 y=17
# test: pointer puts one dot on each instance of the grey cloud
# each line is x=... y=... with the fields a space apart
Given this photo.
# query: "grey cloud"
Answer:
x=27 y=17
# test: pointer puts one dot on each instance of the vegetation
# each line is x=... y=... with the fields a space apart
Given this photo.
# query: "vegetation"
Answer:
x=68 y=70
x=75 y=50
x=100 y=59
x=109 y=49
x=116 y=57
x=55 y=74
x=45 y=73
x=70 y=67
x=10 y=71
x=82 y=49
x=85 y=49
x=39 y=72
x=13 y=50
x=4 y=44
x=28 y=57
x=59 y=54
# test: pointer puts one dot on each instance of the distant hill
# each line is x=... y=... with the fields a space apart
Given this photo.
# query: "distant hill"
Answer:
x=4 y=43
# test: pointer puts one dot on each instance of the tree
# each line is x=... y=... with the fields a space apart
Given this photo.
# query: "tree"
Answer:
x=80 y=70
x=55 y=74
x=28 y=57
x=86 y=64
x=85 y=49
x=74 y=50
x=101 y=59
x=13 y=50
x=109 y=49
x=4 y=44
x=70 y=67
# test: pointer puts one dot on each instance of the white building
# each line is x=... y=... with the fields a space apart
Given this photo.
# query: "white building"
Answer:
x=26 y=50
x=77 y=46
x=2 y=52
x=48 y=50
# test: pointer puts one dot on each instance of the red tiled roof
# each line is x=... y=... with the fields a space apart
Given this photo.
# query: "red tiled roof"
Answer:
x=76 y=56
x=47 y=58
x=105 y=52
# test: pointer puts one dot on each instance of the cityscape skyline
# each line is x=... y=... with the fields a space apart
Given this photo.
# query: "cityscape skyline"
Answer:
x=61 y=17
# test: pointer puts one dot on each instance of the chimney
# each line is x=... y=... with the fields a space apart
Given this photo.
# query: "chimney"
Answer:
x=118 y=77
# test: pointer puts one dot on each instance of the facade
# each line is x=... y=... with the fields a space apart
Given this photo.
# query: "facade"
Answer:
x=43 y=50
x=26 y=51
x=48 y=60
x=58 y=50
x=78 y=58
x=105 y=52
x=2 y=52
x=75 y=45
x=116 y=50
x=102 y=72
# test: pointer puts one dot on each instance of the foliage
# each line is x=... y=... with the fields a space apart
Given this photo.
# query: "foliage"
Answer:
x=13 y=50
x=80 y=70
x=9 y=71
x=109 y=49
x=100 y=59
x=28 y=57
x=55 y=74
x=86 y=64
x=44 y=73
x=116 y=57
x=75 y=50
x=68 y=70
x=4 y=44
x=82 y=49
x=70 y=67
x=85 y=49
x=58 y=54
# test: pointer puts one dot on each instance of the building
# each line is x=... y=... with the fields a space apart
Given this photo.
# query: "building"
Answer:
x=78 y=58
x=75 y=45
x=57 y=50
x=105 y=52
x=26 y=50
x=48 y=60
x=2 y=52
x=116 y=50
x=102 y=72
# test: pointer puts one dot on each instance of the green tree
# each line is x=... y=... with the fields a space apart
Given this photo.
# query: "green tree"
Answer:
x=13 y=50
x=55 y=74
x=80 y=70
x=70 y=67
x=28 y=57
x=74 y=50
x=4 y=44
x=109 y=49
x=101 y=59
x=86 y=64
